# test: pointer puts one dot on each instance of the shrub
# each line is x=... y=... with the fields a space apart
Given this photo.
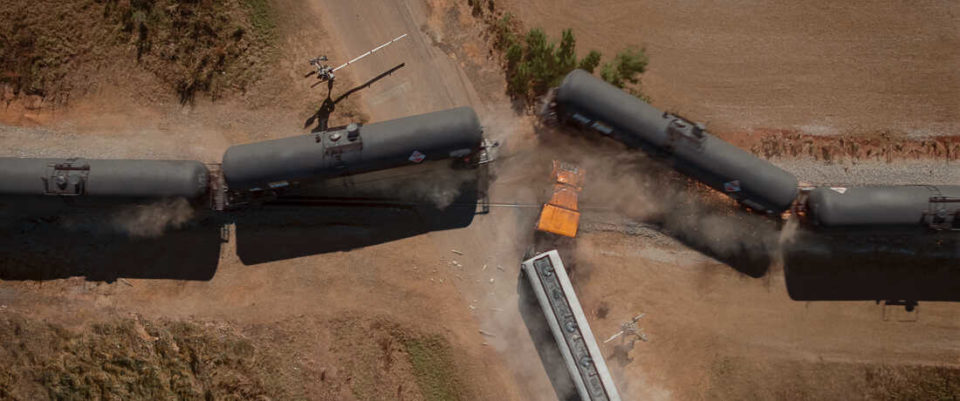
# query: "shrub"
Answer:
x=609 y=73
x=504 y=33
x=567 y=53
x=519 y=81
x=625 y=68
x=630 y=63
x=536 y=64
x=541 y=60
x=590 y=62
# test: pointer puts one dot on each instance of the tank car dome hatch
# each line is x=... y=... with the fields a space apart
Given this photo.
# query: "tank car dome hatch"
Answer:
x=353 y=131
x=586 y=101
x=432 y=136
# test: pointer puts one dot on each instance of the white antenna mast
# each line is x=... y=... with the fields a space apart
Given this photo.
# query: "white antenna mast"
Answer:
x=325 y=72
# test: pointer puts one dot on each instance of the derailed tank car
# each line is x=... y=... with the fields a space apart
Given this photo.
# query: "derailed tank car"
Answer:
x=586 y=101
x=267 y=169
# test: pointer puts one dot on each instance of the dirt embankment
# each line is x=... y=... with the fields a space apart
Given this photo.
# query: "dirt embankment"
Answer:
x=884 y=147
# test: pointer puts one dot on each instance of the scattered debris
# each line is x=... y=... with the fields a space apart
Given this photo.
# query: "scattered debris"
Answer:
x=488 y=334
x=484 y=268
x=123 y=280
x=630 y=329
x=491 y=281
x=501 y=268
x=456 y=252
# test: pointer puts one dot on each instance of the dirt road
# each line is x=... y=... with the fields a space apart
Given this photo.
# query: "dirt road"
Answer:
x=435 y=77
x=430 y=80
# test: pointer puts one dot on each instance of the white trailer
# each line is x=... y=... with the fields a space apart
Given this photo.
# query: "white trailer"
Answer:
x=569 y=325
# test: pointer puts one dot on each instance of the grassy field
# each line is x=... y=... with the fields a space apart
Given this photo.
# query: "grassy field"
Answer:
x=137 y=359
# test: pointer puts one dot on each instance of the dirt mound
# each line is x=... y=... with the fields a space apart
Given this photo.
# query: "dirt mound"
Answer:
x=883 y=146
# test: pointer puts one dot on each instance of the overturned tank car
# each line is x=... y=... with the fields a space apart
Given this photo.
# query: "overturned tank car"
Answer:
x=585 y=101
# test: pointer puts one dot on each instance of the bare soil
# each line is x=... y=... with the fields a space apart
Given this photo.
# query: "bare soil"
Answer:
x=814 y=67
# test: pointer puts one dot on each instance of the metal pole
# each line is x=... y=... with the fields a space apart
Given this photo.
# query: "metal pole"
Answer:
x=370 y=52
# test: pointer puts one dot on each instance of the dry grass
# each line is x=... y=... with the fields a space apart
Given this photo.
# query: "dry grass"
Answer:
x=55 y=49
x=130 y=360
x=390 y=362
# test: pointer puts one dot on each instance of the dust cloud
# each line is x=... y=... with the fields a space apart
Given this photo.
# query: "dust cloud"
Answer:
x=439 y=188
x=637 y=188
x=153 y=219
x=98 y=217
x=438 y=185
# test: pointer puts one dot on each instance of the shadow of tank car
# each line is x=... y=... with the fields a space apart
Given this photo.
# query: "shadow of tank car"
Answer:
x=873 y=266
x=296 y=226
x=60 y=247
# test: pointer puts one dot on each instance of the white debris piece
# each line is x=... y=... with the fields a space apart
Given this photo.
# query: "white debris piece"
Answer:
x=456 y=252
